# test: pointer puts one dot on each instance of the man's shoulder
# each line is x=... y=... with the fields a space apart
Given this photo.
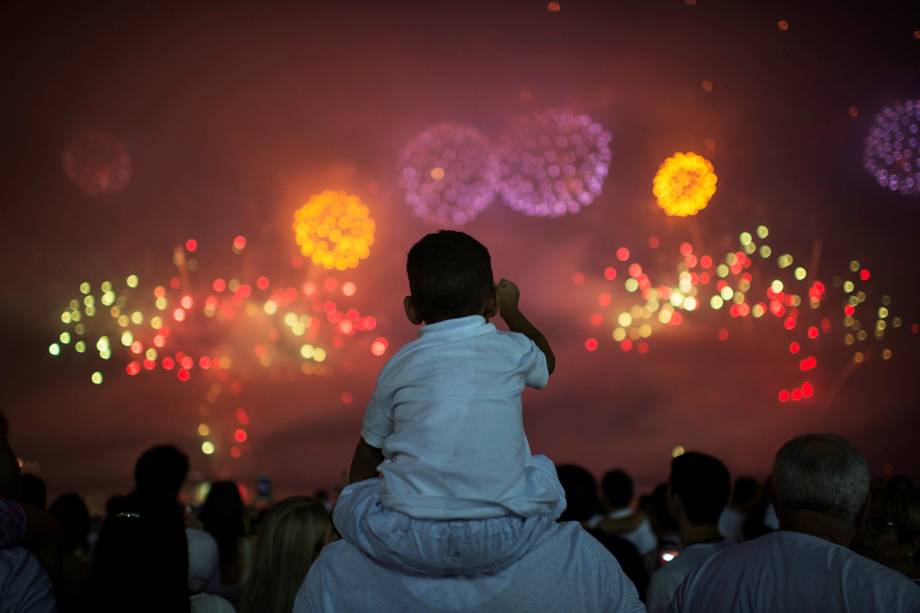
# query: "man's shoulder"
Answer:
x=564 y=557
x=563 y=541
x=330 y=576
x=335 y=551
x=339 y=558
x=797 y=552
x=571 y=537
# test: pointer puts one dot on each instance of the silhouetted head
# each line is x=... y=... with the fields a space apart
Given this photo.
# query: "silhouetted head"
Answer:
x=33 y=491
x=699 y=488
x=745 y=491
x=222 y=516
x=140 y=561
x=618 y=488
x=71 y=511
x=450 y=276
x=580 y=493
x=161 y=469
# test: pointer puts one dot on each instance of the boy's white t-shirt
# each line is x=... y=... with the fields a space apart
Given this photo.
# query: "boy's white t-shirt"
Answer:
x=447 y=415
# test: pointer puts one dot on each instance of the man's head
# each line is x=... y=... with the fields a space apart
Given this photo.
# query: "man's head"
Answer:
x=580 y=492
x=699 y=489
x=824 y=476
x=618 y=488
x=161 y=469
x=450 y=276
x=744 y=493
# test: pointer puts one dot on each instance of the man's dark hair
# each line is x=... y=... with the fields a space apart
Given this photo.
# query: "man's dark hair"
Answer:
x=618 y=488
x=580 y=493
x=703 y=484
x=450 y=275
x=161 y=469
x=745 y=491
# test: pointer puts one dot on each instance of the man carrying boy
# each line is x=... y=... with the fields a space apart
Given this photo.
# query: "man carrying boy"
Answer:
x=462 y=510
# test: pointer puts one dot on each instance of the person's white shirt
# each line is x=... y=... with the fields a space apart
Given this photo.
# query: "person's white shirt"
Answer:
x=642 y=536
x=447 y=415
x=665 y=581
x=24 y=584
x=564 y=570
x=794 y=572
x=203 y=562
x=209 y=603
x=731 y=524
x=770 y=520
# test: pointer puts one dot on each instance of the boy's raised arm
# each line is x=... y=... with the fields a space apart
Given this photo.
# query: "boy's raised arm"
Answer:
x=508 y=296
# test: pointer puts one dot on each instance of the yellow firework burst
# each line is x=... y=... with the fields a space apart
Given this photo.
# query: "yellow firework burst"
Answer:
x=334 y=229
x=684 y=184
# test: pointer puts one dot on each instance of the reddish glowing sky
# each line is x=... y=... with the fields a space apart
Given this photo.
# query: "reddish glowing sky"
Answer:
x=235 y=115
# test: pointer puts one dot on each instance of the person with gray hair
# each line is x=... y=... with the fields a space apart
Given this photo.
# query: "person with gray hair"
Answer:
x=821 y=489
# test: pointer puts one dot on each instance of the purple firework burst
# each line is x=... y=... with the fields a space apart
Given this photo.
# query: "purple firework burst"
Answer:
x=892 y=154
x=447 y=173
x=553 y=163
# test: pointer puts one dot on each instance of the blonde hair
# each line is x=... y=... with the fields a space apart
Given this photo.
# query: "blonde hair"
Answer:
x=290 y=539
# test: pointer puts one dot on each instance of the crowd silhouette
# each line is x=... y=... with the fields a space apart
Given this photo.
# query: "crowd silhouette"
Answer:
x=148 y=553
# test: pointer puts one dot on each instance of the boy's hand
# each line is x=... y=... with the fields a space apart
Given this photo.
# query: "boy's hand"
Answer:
x=508 y=296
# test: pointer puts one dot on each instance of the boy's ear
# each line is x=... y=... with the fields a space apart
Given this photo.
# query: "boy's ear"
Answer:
x=411 y=313
x=490 y=306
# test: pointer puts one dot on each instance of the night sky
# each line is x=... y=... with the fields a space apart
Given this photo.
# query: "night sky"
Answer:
x=234 y=114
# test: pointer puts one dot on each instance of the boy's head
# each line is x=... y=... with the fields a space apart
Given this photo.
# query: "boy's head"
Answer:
x=450 y=276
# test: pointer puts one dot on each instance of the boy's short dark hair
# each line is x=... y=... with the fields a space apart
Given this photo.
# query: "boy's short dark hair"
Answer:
x=161 y=469
x=450 y=275
x=703 y=484
x=618 y=488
